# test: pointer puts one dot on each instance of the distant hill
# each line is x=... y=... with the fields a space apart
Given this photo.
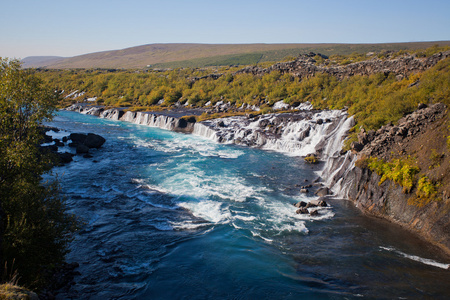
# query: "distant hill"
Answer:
x=201 y=55
x=40 y=61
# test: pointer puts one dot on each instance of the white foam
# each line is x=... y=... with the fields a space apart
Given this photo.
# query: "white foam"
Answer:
x=208 y=210
x=260 y=236
x=425 y=261
x=244 y=218
x=298 y=226
x=188 y=225
x=187 y=180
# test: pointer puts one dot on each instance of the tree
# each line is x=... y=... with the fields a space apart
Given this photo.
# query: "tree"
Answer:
x=34 y=225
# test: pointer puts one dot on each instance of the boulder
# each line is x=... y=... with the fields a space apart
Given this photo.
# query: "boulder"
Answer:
x=82 y=149
x=94 y=140
x=314 y=213
x=300 y=204
x=78 y=138
x=65 y=157
x=304 y=191
x=323 y=191
x=422 y=106
x=311 y=204
x=302 y=211
x=322 y=203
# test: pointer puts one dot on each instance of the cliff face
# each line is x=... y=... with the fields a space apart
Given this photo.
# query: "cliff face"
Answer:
x=422 y=137
x=388 y=201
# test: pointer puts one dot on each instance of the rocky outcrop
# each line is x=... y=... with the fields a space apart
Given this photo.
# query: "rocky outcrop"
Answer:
x=391 y=137
x=80 y=141
x=305 y=66
x=415 y=134
x=90 y=140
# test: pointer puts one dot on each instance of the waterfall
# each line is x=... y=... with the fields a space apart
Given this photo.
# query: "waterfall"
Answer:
x=151 y=120
x=319 y=132
x=203 y=130
x=297 y=134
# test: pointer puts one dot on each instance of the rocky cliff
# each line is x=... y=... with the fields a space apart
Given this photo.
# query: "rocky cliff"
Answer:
x=421 y=136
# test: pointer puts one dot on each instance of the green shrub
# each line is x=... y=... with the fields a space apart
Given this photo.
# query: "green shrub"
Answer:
x=400 y=171
x=426 y=192
x=311 y=159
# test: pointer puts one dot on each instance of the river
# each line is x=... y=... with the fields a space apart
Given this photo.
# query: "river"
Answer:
x=175 y=216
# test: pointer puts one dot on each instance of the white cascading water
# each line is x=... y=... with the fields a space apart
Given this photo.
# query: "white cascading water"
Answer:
x=297 y=138
x=152 y=120
x=303 y=133
x=203 y=130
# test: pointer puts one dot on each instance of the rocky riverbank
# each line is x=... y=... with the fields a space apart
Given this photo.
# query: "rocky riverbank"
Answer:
x=59 y=144
x=421 y=136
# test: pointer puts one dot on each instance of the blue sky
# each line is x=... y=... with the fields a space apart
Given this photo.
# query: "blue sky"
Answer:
x=69 y=27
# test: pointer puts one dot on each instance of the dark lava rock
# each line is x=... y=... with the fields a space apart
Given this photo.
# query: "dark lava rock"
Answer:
x=311 y=204
x=302 y=211
x=355 y=146
x=422 y=106
x=94 y=140
x=81 y=149
x=300 y=204
x=322 y=203
x=314 y=213
x=78 y=138
x=87 y=155
x=65 y=157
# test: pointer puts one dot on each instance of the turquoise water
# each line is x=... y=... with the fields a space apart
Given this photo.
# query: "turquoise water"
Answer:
x=175 y=216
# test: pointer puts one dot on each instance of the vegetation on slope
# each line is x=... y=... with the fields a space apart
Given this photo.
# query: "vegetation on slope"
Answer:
x=34 y=226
